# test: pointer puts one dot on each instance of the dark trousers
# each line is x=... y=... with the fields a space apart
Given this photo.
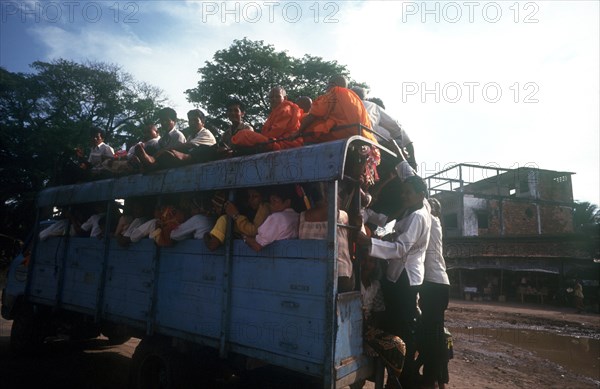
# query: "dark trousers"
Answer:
x=433 y=350
x=401 y=314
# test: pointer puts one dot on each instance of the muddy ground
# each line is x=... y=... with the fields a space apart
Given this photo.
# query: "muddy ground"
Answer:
x=495 y=346
x=523 y=346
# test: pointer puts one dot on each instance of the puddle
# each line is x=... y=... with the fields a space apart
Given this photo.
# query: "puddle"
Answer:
x=577 y=354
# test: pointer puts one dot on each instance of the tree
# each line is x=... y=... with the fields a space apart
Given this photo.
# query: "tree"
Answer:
x=49 y=112
x=249 y=69
x=586 y=215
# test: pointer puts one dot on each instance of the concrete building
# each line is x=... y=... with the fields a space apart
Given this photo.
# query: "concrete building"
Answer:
x=509 y=233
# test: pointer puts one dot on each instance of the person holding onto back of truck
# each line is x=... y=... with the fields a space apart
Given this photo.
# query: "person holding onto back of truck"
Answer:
x=433 y=301
x=281 y=224
x=405 y=252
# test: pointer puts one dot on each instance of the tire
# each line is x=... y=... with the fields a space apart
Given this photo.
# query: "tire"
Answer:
x=27 y=332
x=156 y=365
x=116 y=334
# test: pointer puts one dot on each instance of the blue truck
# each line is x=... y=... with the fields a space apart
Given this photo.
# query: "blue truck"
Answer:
x=279 y=306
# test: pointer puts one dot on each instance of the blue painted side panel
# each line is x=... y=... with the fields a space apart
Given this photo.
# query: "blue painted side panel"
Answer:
x=275 y=322
x=129 y=280
x=82 y=272
x=277 y=268
x=348 y=341
x=190 y=289
x=48 y=263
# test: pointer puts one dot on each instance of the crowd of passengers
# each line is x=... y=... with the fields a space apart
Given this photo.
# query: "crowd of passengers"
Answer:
x=396 y=246
x=331 y=116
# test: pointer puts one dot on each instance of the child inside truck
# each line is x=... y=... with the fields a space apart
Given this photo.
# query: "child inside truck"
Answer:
x=281 y=224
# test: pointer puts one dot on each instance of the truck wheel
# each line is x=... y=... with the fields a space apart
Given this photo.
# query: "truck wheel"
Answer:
x=27 y=332
x=155 y=365
x=116 y=334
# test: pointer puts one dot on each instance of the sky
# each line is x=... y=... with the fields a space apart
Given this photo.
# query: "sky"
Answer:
x=505 y=83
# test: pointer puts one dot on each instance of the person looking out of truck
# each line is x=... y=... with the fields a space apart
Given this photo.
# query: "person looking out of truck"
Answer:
x=145 y=229
x=198 y=224
x=139 y=215
x=281 y=224
x=405 y=252
x=313 y=225
x=245 y=222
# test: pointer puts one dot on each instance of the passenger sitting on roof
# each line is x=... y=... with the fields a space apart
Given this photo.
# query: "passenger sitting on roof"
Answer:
x=386 y=127
x=170 y=139
x=304 y=102
x=246 y=223
x=235 y=112
x=99 y=152
x=282 y=223
x=279 y=131
x=131 y=164
x=198 y=224
x=313 y=225
x=197 y=148
x=336 y=115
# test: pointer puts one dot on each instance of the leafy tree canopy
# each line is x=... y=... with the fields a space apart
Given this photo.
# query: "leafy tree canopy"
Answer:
x=249 y=69
x=49 y=112
x=586 y=214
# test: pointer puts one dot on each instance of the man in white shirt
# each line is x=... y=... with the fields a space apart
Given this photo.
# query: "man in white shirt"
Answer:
x=171 y=137
x=405 y=252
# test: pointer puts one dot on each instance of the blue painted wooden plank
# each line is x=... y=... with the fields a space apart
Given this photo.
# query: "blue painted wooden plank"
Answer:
x=285 y=275
x=50 y=250
x=348 y=340
x=288 y=335
x=288 y=248
x=267 y=303
x=44 y=282
x=320 y=162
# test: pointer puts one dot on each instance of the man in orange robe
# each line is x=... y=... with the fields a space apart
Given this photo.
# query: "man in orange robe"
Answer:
x=339 y=107
x=280 y=129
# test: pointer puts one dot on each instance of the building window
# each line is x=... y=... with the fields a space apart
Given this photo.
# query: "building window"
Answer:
x=451 y=220
x=483 y=219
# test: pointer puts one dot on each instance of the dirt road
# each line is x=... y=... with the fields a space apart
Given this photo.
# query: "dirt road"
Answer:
x=496 y=346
